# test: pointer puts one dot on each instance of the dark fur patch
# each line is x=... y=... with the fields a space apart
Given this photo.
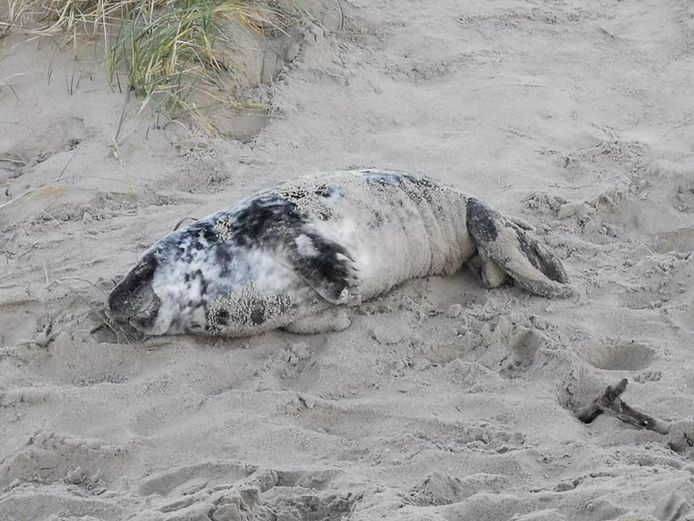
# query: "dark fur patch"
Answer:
x=542 y=260
x=377 y=220
x=184 y=243
x=224 y=258
x=322 y=191
x=329 y=271
x=223 y=317
x=258 y=314
x=203 y=281
x=259 y=221
x=480 y=221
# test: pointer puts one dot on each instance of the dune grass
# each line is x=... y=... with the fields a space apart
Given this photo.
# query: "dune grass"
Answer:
x=179 y=52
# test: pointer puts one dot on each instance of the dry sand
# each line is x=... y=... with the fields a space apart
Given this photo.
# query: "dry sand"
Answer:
x=576 y=116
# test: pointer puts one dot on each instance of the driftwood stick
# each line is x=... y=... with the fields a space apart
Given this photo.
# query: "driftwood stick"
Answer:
x=597 y=406
x=611 y=403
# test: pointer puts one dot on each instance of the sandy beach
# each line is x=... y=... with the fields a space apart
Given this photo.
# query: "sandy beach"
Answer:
x=443 y=401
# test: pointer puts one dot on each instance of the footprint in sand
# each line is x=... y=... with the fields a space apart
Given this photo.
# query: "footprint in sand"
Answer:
x=511 y=346
x=237 y=491
x=679 y=240
x=182 y=479
x=439 y=488
x=49 y=457
x=622 y=356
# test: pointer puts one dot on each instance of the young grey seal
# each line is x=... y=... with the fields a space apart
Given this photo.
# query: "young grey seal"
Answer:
x=287 y=254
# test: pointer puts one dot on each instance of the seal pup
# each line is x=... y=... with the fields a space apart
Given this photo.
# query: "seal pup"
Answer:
x=283 y=256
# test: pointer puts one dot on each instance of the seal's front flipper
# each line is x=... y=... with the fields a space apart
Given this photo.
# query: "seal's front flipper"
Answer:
x=329 y=321
x=530 y=263
x=326 y=266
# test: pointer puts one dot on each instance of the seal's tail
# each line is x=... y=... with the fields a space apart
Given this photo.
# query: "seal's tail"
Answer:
x=507 y=249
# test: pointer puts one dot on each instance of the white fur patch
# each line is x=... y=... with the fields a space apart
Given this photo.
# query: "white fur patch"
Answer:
x=305 y=246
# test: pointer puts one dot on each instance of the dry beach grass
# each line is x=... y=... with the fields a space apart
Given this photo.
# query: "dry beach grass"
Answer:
x=442 y=401
x=179 y=55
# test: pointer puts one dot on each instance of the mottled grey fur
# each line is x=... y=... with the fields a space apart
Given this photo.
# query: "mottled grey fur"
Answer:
x=313 y=243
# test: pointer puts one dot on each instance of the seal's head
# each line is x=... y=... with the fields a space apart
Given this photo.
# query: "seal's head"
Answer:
x=133 y=301
x=168 y=289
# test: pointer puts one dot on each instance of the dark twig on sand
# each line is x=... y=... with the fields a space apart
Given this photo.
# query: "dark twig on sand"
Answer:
x=611 y=403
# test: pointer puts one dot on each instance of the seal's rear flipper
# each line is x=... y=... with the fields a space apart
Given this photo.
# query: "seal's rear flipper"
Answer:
x=491 y=275
x=507 y=246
